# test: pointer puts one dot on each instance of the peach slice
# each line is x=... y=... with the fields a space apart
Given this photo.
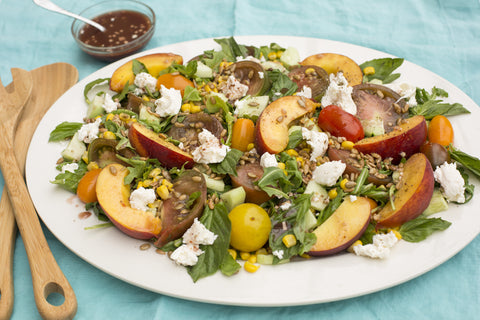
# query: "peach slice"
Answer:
x=154 y=63
x=334 y=63
x=413 y=194
x=149 y=144
x=272 y=125
x=343 y=227
x=113 y=196
x=407 y=137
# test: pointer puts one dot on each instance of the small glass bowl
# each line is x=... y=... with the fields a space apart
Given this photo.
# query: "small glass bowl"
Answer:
x=112 y=53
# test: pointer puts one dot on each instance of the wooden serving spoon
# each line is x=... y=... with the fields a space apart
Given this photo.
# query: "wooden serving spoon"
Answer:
x=49 y=83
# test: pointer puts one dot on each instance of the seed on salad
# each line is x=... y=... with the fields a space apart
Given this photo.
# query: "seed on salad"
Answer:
x=179 y=125
x=252 y=175
x=182 y=197
x=113 y=170
x=178 y=206
x=280 y=119
x=253 y=104
x=196 y=178
x=145 y=246
x=184 y=211
x=301 y=102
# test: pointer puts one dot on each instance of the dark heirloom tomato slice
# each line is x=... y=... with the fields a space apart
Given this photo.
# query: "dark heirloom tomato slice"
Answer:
x=251 y=74
x=176 y=217
x=313 y=77
x=103 y=152
x=247 y=174
x=435 y=153
x=193 y=124
x=340 y=123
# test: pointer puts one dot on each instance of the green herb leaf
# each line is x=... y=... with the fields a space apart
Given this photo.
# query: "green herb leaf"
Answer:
x=97 y=210
x=191 y=94
x=271 y=180
x=231 y=48
x=191 y=199
x=64 y=131
x=420 y=228
x=281 y=85
x=429 y=106
x=383 y=69
x=90 y=86
x=138 y=67
x=69 y=180
x=229 y=266
x=228 y=164
x=469 y=162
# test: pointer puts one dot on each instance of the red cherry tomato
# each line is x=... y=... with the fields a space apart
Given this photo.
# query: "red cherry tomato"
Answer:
x=340 y=123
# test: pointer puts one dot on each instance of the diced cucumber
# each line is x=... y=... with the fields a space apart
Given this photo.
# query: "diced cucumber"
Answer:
x=373 y=127
x=203 y=71
x=75 y=149
x=270 y=65
x=147 y=117
x=233 y=197
x=310 y=220
x=311 y=125
x=219 y=98
x=267 y=259
x=437 y=203
x=290 y=56
x=250 y=106
x=217 y=185
x=95 y=108
x=319 y=195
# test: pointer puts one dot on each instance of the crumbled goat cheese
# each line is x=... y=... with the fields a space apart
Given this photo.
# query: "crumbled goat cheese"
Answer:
x=146 y=81
x=405 y=90
x=261 y=75
x=328 y=173
x=339 y=93
x=353 y=198
x=199 y=234
x=109 y=104
x=250 y=58
x=268 y=160
x=140 y=198
x=169 y=103
x=278 y=254
x=186 y=255
x=234 y=89
x=89 y=131
x=210 y=149
x=305 y=92
x=451 y=181
x=70 y=167
x=317 y=140
x=379 y=249
x=286 y=205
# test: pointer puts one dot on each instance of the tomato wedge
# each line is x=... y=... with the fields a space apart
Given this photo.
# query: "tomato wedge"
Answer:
x=340 y=123
x=440 y=131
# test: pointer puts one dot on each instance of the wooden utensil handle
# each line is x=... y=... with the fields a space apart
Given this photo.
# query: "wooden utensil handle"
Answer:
x=47 y=277
x=7 y=241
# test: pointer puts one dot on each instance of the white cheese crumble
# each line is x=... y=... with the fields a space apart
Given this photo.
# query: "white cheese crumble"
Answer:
x=328 y=173
x=89 y=131
x=210 y=149
x=305 y=92
x=169 y=103
x=268 y=160
x=278 y=254
x=187 y=254
x=380 y=248
x=146 y=81
x=261 y=75
x=317 y=140
x=140 y=198
x=451 y=181
x=405 y=90
x=70 y=167
x=109 y=104
x=234 y=89
x=339 y=93
x=286 y=205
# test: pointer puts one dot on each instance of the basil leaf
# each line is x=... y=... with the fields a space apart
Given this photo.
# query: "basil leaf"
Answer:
x=271 y=180
x=90 y=86
x=229 y=266
x=64 y=131
x=97 y=210
x=231 y=48
x=69 y=180
x=191 y=94
x=228 y=164
x=383 y=69
x=469 y=162
x=420 y=228
x=281 y=85
x=138 y=67
x=429 y=106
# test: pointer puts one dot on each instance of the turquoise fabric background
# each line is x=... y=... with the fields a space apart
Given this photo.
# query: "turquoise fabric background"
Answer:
x=440 y=35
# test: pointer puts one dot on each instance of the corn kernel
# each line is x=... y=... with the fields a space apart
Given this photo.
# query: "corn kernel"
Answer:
x=155 y=172
x=145 y=98
x=186 y=107
x=244 y=255
x=252 y=258
x=92 y=166
x=309 y=71
x=139 y=184
x=305 y=256
x=261 y=251
x=279 y=53
x=347 y=145
x=250 y=146
x=396 y=233
x=163 y=192
x=343 y=184
x=109 y=135
x=281 y=165
x=292 y=152
x=289 y=240
x=272 y=55
x=85 y=157
x=356 y=243
x=147 y=183
x=195 y=109
x=233 y=253
x=109 y=116
x=332 y=194
x=97 y=117
x=167 y=184
x=301 y=161
x=250 y=267
x=124 y=117
x=369 y=71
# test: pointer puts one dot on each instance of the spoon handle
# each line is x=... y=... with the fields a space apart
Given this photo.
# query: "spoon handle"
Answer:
x=7 y=241
x=47 y=277
x=47 y=4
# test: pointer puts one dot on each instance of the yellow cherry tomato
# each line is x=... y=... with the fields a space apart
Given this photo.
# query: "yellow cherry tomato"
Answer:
x=251 y=227
x=440 y=131
x=86 y=186
x=174 y=80
x=243 y=134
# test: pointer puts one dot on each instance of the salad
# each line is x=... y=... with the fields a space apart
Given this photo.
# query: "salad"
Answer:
x=254 y=155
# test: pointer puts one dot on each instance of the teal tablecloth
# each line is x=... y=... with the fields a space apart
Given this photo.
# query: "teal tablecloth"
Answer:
x=442 y=36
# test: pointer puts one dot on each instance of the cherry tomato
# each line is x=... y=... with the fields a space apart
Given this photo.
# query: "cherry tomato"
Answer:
x=435 y=153
x=340 y=123
x=243 y=133
x=251 y=227
x=440 y=131
x=86 y=186
x=174 y=80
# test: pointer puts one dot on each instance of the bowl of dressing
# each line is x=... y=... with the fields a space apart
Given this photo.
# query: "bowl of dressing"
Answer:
x=129 y=26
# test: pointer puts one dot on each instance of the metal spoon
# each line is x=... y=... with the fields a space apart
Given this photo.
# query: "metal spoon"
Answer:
x=49 y=5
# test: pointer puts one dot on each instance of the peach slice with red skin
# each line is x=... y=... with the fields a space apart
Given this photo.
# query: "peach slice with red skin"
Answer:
x=343 y=227
x=413 y=195
x=113 y=196
x=153 y=62
x=272 y=126
x=334 y=63
x=407 y=137
x=149 y=144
